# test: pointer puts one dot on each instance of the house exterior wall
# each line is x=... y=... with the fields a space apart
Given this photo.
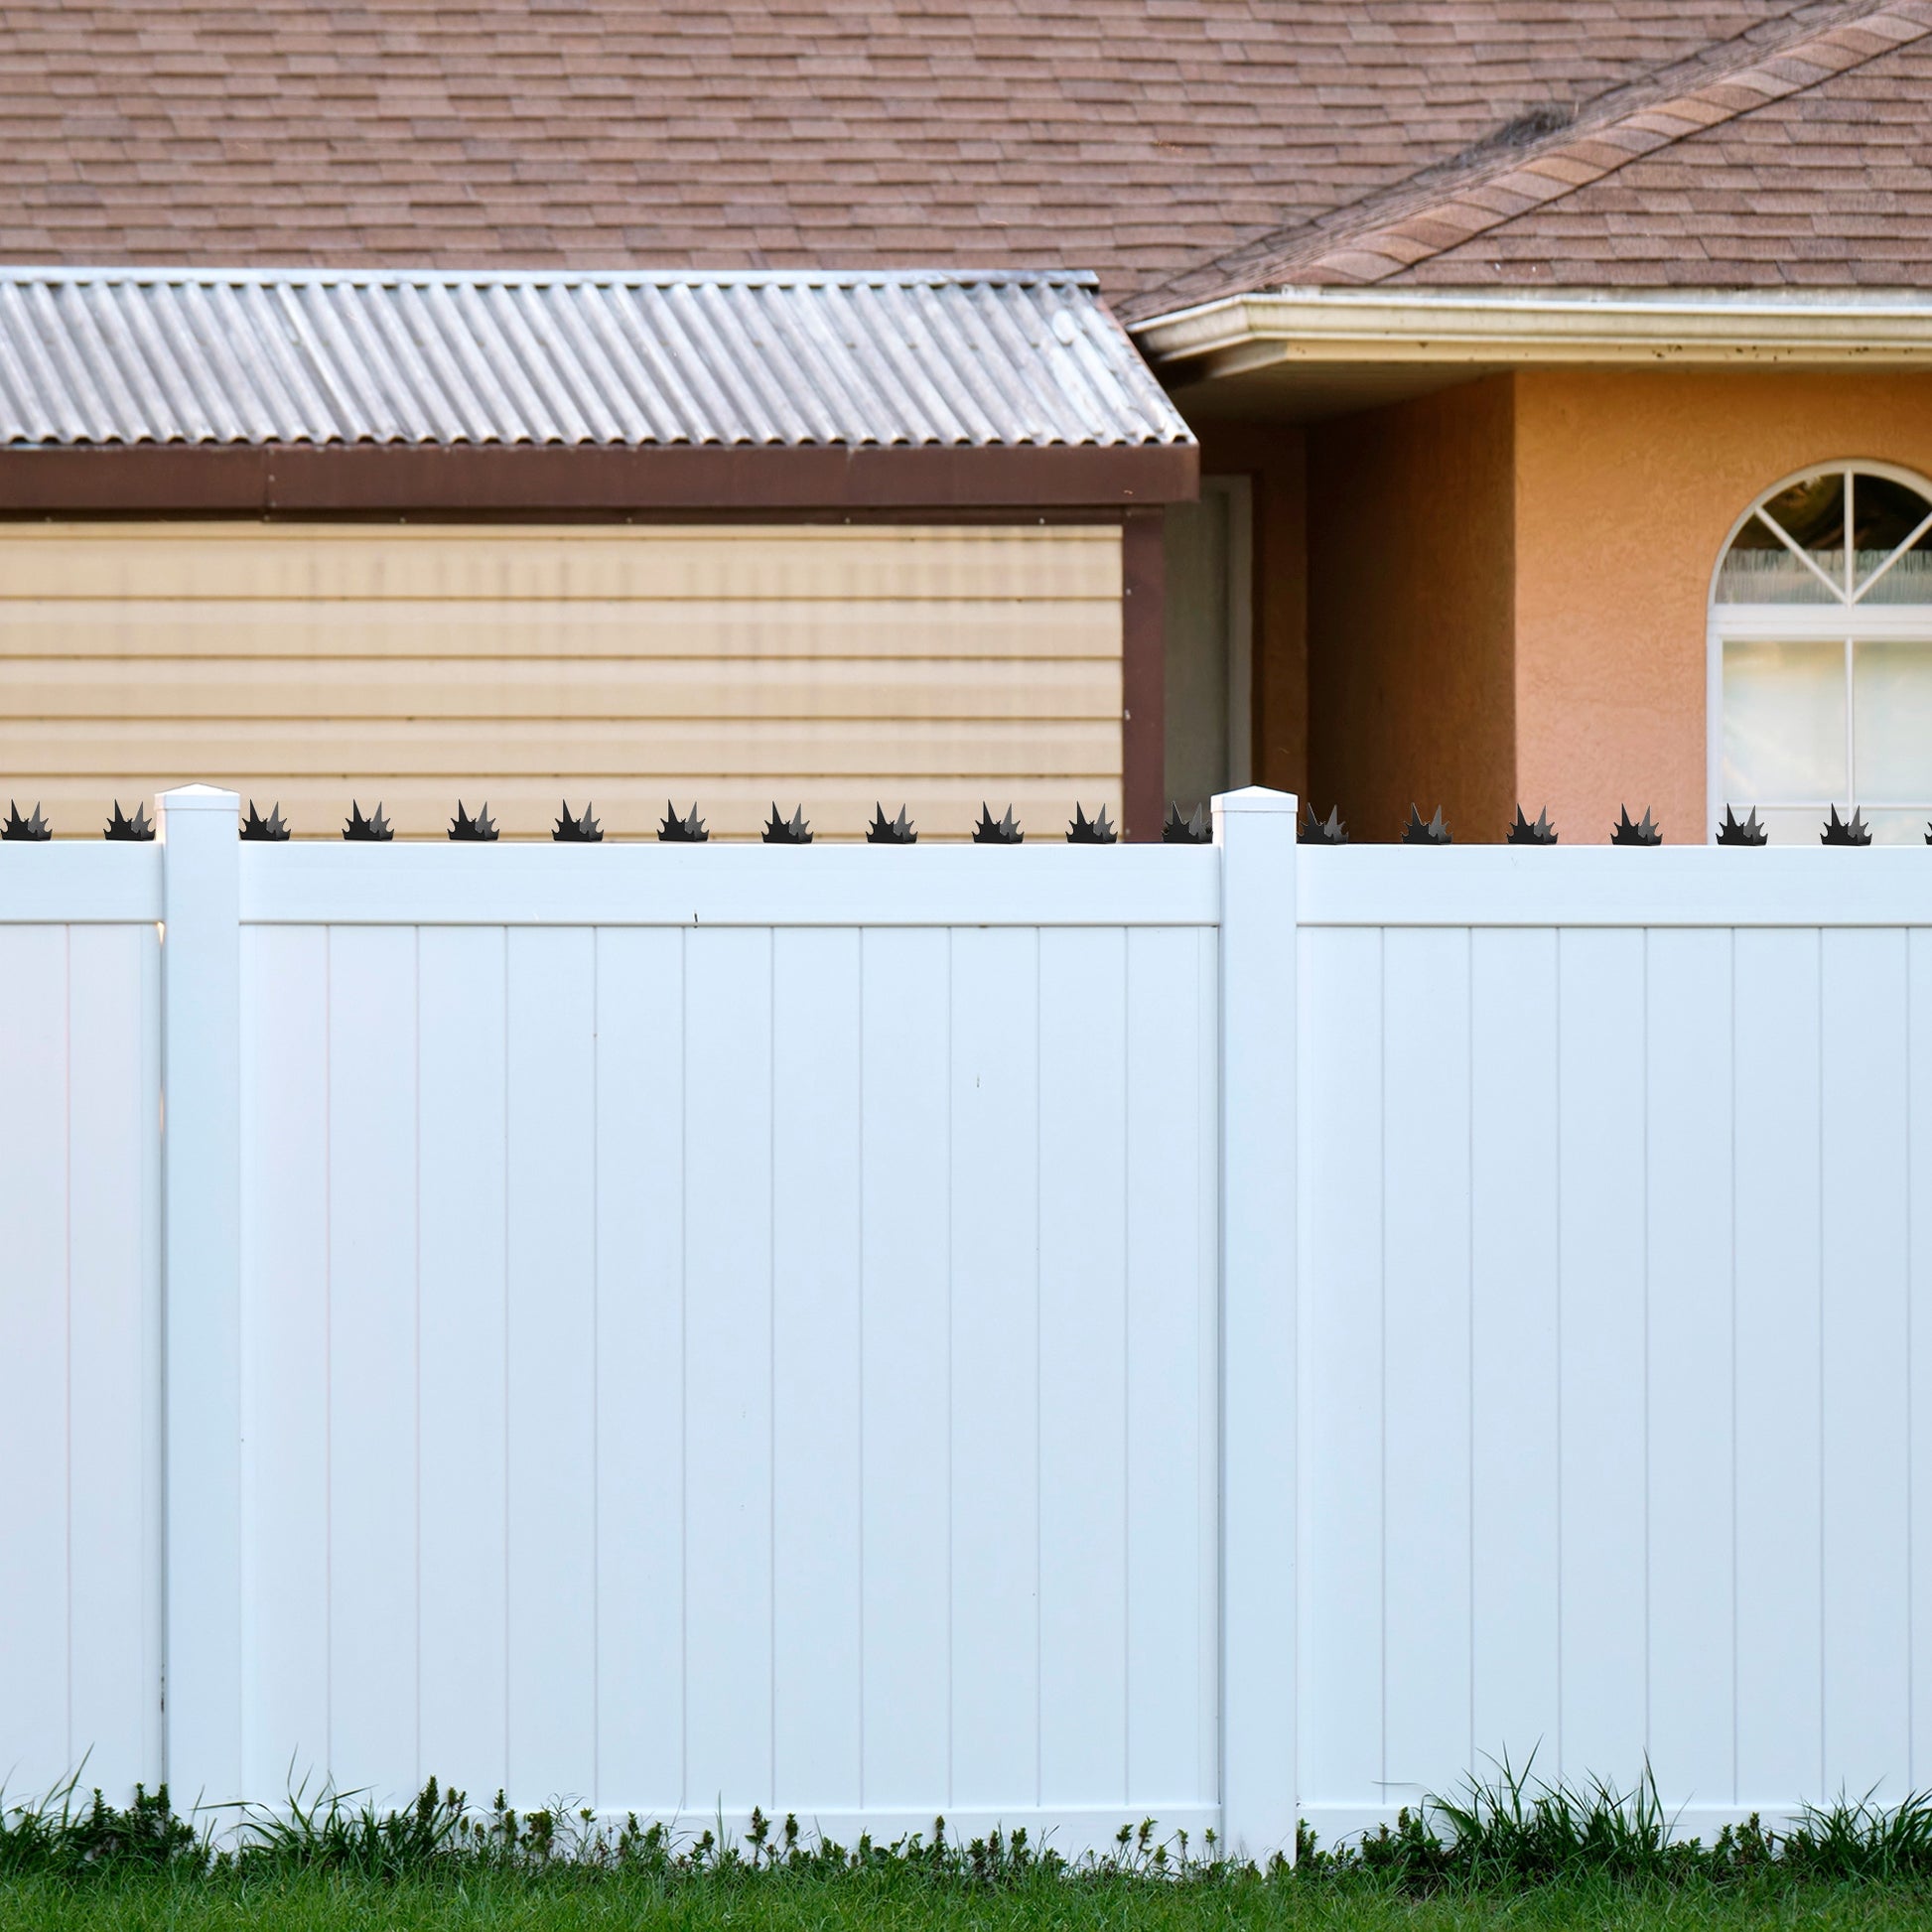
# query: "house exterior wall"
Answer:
x=1411 y=544
x=1627 y=484
x=818 y=664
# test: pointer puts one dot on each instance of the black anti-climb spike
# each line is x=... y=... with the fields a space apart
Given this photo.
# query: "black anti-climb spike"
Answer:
x=481 y=830
x=889 y=831
x=1433 y=833
x=787 y=831
x=1743 y=830
x=1322 y=831
x=997 y=831
x=688 y=830
x=376 y=827
x=1091 y=831
x=1528 y=832
x=255 y=826
x=38 y=830
x=1642 y=833
x=1845 y=831
x=577 y=831
x=137 y=830
x=1192 y=830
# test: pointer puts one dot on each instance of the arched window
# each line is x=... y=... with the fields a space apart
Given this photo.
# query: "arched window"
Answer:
x=1821 y=655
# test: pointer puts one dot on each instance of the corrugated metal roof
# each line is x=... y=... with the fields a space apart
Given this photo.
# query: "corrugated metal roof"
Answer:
x=214 y=356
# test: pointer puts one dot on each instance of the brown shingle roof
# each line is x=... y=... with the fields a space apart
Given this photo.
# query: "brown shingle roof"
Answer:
x=1130 y=136
x=1804 y=161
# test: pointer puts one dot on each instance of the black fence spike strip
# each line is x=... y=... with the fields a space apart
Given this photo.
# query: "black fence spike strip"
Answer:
x=1433 y=833
x=376 y=827
x=577 y=831
x=137 y=830
x=1525 y=831
x=1642 y=833
x=481 y=830
x=1322 y=831
x=1745 y=831
x=1091 y=831
x=1845 y=831
x=255 y=826
x=787 y=831
x=997 y=831
x=889 y=831
x=687 y=830
x=37 y=831
x=1192 y=830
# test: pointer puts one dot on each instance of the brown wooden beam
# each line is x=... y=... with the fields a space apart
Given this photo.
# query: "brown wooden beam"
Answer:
x=299 y=480
x=1143 y=674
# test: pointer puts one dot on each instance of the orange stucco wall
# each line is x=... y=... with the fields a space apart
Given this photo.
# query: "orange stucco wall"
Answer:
x=1627 y=484
x=1410 y=540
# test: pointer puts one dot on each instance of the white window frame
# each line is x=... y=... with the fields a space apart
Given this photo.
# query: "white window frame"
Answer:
x=1848 y=621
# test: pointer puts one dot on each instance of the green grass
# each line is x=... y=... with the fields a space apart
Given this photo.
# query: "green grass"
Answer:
x=1507 y=1853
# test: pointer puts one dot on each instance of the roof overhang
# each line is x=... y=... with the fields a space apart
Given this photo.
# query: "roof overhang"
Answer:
x=1304 y=354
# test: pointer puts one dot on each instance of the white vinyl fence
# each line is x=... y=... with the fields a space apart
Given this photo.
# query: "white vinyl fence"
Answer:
x=1052 y=1337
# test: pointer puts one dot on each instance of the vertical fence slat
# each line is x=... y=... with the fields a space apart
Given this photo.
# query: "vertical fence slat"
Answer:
x=1775 y=1267
x=1342 y=1508
x=1600 y=1399
x=1864 y=1367
x=114 y=1263
x=815 y=1425
x=728 y=1370
x=285 y=1248
x=1688 y=1121
x=462 y=1503
x=1513 y=1182
x=996 y=1366
x=1170 y=1539
x=1083 y=1494
x=641 y=1369
x=372 y=1431
x=907 y=1365
x=1426 y=1302
x=34 y=1369
x=1918 y=1145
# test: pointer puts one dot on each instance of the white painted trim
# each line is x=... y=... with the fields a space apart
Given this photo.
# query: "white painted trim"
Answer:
x=1046 y=883
x=1306 y=325
x=1595 y=884
x=69 y=881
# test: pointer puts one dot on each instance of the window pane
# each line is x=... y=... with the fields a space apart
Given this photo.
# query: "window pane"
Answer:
x=1883 y=514
x=1891 y=686
x=1784 y=722
x=1896 y=828
x=1811 y=511
x=1759 y=569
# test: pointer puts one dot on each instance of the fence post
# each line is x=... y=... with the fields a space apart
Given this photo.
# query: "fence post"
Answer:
x=201 y=1079
x=1255 y=831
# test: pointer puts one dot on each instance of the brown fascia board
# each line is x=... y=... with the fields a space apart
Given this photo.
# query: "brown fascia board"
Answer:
x=291 y=479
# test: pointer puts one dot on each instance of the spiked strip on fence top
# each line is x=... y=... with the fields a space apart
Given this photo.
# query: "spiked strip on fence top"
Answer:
x=1433 y=833
x=682 y=831
x=1845 y=831
x=577 y=831
x=255 y=826
x=1642 y=833
x=786 y=831
x=1090 y=831
x=997 y=831
x=137 y=829
x=889 y=831
x=1322 y=831
x=1743 y=830
x=375 y=826
x=1192 y=830
x=33 y=828
x=1527 y=832
x=481 y=830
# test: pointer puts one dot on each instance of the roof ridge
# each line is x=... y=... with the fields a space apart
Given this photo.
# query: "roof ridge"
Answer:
x=1440 y=206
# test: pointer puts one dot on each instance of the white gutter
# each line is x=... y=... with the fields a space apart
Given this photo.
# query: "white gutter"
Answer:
x=1315 y=327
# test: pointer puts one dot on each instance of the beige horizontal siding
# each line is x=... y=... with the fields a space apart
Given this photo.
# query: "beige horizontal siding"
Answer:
x=832 y=666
